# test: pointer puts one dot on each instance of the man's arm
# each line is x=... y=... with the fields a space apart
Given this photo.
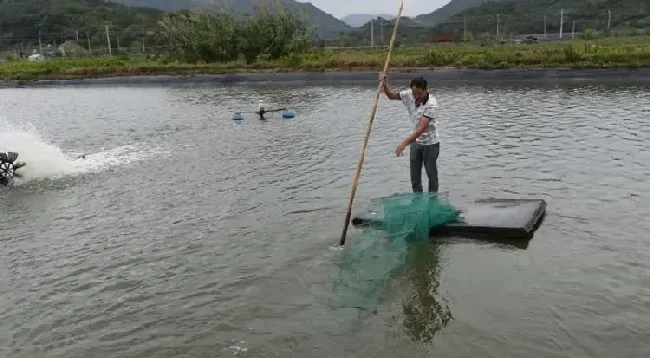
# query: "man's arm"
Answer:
x=423 y=124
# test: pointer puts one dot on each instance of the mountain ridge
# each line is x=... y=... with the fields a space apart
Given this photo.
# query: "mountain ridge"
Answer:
x=452 y=8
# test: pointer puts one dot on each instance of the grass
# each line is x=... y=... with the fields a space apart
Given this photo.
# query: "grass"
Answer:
x=620 y=52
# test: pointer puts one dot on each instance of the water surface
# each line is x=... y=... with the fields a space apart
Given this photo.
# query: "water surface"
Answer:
x=186 y=234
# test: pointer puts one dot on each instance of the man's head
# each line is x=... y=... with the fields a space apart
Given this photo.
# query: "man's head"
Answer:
x=419 y=87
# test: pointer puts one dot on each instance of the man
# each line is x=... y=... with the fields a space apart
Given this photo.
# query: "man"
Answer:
x=423 y=141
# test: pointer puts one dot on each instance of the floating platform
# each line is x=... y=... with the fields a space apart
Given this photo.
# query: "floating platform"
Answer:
x=511 y=221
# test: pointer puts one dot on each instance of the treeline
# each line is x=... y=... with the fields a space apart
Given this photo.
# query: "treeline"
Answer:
x=274 y=33
x=24 y=22
x=184 y=36
x=530 y=17
x=219 y=37
x=590 y=17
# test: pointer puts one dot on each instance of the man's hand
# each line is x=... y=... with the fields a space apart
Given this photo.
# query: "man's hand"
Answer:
x=387 y=91
x=400 y=149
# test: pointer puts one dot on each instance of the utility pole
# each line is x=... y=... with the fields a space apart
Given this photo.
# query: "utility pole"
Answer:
x=90 y=49
x=573 y=29
x=381 y=30
x=609 y=19
x=544 y=27
x=108 y=40
x=464 y=30
x=561 y=22
x=40 y=44
x=77 y=35
x=143 y=51
x=372 y=32
x=497 y=25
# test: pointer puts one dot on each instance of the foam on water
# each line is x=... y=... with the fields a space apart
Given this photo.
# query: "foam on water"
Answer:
x=44 y=160
x=123 y=155
x=48 y=161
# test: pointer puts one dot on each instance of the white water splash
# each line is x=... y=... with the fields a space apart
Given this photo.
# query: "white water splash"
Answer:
x=47 y=161
x=43 y=159
x=119 y=156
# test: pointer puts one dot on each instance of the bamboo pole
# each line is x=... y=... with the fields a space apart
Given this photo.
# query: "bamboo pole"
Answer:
x=355 y=182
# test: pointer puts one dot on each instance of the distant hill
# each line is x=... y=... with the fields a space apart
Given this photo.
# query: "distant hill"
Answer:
x=358 y=20
x=450 y=9
x=325 y=25
x=527 y=17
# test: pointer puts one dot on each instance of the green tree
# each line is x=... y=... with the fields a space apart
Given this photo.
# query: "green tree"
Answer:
x=219 y=37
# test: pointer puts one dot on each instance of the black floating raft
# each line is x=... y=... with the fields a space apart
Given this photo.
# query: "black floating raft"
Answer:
x=501 y=219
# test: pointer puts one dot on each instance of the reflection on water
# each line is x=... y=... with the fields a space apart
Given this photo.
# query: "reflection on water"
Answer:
x=425 y=313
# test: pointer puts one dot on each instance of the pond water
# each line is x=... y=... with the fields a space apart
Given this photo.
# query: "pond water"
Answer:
x=183 y=233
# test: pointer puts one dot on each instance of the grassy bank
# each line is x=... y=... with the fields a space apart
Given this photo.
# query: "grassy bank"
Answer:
x=631 y=52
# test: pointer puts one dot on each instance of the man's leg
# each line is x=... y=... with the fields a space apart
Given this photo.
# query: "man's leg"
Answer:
x=416 y=160
x=430 y=157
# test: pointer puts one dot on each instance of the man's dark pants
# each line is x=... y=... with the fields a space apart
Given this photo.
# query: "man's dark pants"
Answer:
x=427 y=156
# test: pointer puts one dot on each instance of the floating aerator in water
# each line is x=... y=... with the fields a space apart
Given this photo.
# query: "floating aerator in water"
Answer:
x=8 y=167
x=238 y=116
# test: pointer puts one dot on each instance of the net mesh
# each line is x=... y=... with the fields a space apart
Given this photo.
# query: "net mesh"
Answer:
x=377 y=253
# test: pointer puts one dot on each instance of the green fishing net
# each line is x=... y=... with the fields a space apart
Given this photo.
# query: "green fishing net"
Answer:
x=379 y=251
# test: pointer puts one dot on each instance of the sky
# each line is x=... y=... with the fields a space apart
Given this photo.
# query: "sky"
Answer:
x=340 y=8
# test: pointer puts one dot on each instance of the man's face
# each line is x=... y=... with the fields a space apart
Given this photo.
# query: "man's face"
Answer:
x=419 y=93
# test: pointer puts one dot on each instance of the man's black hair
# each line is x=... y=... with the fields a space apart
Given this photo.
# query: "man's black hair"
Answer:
x=419 y=82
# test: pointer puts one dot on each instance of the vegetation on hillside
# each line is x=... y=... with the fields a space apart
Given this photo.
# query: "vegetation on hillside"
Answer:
x=450 y=9
x=517 y=17
x=322 y=24
x=620 y=52
x=163 y=5
x=24 y=22
x=274 y=34
x=409 y=32
x=358 y=20
x=527 y=17
x=184 y=36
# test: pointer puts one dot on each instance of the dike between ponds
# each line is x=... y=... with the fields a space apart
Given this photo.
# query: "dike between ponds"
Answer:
x=437 y=75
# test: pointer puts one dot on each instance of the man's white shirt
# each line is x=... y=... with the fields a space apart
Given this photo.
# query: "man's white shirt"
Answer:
x=430 y=136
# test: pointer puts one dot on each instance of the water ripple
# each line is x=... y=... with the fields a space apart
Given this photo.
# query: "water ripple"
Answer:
x=221 y=247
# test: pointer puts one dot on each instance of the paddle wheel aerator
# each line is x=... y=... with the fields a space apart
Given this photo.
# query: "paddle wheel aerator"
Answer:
x=8 y=167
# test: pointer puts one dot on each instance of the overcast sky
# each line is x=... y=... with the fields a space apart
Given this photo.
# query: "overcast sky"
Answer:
x=340 y=8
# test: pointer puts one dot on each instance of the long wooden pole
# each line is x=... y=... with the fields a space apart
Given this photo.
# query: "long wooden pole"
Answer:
x=355 y=182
